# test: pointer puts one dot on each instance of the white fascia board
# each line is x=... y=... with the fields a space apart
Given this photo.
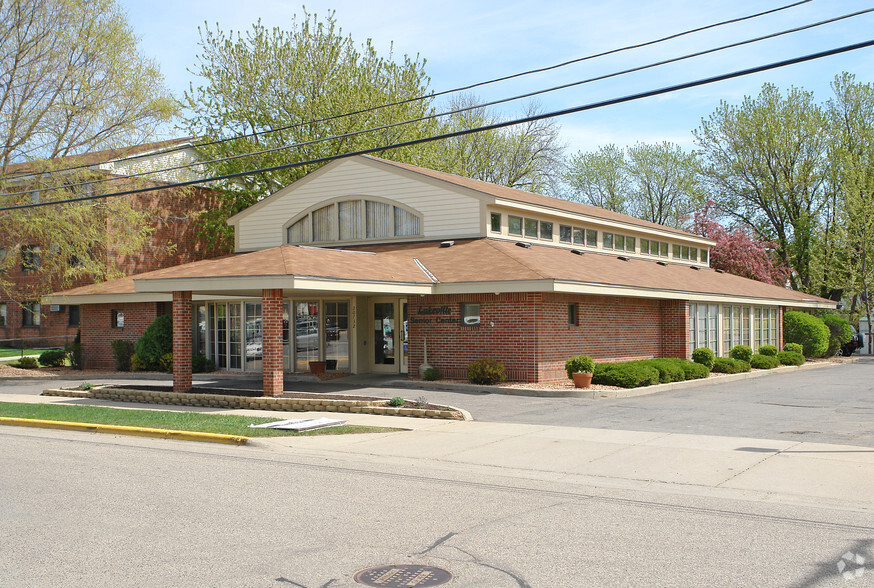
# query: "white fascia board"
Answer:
x=633 y=292
x=584 y=218
x=105 y=298
x=287 y=283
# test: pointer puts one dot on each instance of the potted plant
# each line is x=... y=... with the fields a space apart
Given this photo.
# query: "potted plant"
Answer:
x=580 y=369
x=317 y=367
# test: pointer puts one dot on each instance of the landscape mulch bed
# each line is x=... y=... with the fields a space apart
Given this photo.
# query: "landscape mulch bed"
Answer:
x=243 y=392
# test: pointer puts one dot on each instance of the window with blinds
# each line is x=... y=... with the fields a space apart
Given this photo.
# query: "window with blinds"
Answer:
x=353 y=220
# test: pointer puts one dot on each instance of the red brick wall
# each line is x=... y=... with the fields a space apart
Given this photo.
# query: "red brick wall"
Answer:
x=531 y=335
x=98 y=333
x=53 y=331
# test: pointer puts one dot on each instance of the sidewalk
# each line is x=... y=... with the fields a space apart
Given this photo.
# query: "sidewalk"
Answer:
x=789 y=471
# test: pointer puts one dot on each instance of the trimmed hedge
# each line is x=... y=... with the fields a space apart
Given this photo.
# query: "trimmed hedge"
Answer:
x=53 y=358
x=790 y=358
x=764 y=362
x=704 y=356
x=122 y=351
x=794 y=348
x=201 y=364
x=630 y=374
x=770 y=350
x=727 y=365
x=807 y=330
x=741 y=352
x=669 y=370
x=695 y=371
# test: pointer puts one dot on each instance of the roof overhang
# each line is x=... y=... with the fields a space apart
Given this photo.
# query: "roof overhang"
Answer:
x=252 y=285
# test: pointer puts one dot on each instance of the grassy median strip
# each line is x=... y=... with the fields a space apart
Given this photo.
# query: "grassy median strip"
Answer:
x=225 y=424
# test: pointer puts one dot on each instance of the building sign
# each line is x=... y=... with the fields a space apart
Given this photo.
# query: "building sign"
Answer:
x=426 y=315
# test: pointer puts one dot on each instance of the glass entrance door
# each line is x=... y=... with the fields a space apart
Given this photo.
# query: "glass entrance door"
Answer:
x=389 y=328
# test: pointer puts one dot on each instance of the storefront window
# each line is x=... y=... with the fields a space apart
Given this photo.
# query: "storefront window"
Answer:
x=306 y=334
x=254 y=336
x=337 y=335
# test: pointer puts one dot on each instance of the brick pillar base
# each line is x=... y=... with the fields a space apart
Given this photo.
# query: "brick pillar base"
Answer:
x=271 y=327
x=181 y=341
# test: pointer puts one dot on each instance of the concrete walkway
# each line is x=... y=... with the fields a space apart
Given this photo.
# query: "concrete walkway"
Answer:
x=768 y=470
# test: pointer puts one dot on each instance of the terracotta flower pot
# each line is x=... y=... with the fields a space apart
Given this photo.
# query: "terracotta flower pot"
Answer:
x=582 y=380
x=317 y=367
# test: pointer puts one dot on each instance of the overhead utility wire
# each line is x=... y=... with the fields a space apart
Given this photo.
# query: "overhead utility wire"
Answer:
x=449 y=113
x=498 y=125
x=435 y=94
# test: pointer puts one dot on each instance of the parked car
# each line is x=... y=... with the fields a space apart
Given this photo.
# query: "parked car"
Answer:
x=856 y=342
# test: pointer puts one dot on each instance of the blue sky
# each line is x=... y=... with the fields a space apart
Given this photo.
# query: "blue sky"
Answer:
x=470 y=41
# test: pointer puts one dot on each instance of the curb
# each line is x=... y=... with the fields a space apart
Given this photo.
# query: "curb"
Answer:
x=596 y=394
x=122 y=430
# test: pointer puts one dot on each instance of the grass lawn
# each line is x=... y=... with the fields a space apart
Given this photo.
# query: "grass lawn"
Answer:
x=225 y=424
x=16 y=353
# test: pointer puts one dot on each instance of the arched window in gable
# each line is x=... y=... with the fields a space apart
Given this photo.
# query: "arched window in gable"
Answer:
x=354 y=220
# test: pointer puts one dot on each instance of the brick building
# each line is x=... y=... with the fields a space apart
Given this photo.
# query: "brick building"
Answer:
x=368 y=265
x=174 y=240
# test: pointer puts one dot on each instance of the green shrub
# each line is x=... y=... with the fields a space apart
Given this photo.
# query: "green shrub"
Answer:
x=669 y=369
x=122 y=351
x=794 y=348
x=741 y=352
x=790 y=358
x=53 y=358
x=631 y=374
x=727 y=365
x=432 y=374
x=695 y=371
x=764 y=362
x=770 y=350
x=27 y=363
x=704 y=356
x=486 y=371
x=582 y=364
x=807 y=330
x=840 y=332
x=200 y=364
x=165 y=363
x=156 y=341
x=396 y=401
x=136 y=364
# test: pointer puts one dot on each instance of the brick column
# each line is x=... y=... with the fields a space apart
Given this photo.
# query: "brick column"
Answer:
x=675 y=328
x=181 y=341
x=271 y=328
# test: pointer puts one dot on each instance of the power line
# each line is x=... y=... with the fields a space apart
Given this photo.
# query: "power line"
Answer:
x=436 y=94
x=493 y=126
x=449 y=113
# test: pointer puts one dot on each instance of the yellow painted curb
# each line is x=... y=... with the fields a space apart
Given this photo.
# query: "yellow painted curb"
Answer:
x=121 y=430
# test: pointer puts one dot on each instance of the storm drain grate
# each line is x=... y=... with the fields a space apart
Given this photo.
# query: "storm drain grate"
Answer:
x=403 y=576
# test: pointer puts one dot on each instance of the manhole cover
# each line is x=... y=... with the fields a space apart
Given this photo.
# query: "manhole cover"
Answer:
x=403 y=576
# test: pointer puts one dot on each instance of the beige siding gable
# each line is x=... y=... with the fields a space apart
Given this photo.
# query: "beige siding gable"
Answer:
x=446 y=213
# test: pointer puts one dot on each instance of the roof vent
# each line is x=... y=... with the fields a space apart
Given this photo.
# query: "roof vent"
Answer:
x=576 y=252
x=719 y=271
x=662 y=263
x=447 y=243
x=622 y=257
x=521 y=244
x=695 y=267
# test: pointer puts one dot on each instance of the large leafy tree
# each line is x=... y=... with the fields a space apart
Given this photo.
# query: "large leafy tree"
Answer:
x=291 y=88
x=526 y=156
x=765 y=166
x=657 y=182
x=71 y=81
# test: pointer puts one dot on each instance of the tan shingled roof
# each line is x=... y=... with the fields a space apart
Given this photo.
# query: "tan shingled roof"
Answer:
x=96 y=157
x=531 y=198
x=469 y=261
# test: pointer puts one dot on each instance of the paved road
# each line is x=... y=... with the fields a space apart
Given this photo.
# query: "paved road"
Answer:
x=833 y=404
x=88 y=510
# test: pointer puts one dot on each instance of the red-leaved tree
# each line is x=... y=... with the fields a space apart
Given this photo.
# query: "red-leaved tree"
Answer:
x=737 y=252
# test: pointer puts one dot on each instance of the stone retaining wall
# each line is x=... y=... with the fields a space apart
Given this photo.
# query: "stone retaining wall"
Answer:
x=257 y=403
